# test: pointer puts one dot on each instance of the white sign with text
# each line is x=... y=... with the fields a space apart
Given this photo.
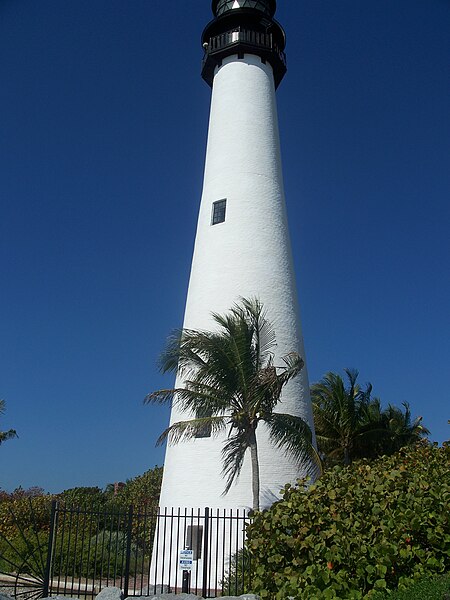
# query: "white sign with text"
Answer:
x=186 y=560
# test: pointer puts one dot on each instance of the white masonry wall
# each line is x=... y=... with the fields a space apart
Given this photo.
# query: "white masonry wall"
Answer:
x=248 y=255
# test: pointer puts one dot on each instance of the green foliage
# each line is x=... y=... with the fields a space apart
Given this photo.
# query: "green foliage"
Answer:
x=428 y=589
x=90 y=498
x=96 y=542
x=101 y=555
x=24 y=527
x=370 y=526
x=350 y=424
x=231 y=384
x=141 y=492
x=15 y=510
x=24 y=552
x=236 y=580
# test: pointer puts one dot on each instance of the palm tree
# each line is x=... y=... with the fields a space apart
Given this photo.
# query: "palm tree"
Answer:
x=5 y=435
x=403 y=429
x=230 y=382
x=346 y=418
x=351 y=424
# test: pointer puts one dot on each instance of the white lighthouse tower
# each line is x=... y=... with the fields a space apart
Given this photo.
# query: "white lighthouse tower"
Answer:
x=242 y=250
x=242 y=246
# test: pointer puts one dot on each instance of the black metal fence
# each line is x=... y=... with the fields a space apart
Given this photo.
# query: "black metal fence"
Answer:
x=141 y=551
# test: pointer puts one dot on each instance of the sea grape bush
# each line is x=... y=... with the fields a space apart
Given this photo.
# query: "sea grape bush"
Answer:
x=436 y=588
x=378 y=525
x=142 y=491
x=16 y=509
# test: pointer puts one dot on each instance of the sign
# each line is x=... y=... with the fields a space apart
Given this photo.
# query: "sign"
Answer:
x=186 y=560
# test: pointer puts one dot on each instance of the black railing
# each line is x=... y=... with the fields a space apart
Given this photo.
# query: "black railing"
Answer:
x=80 y=551
x=244 y=36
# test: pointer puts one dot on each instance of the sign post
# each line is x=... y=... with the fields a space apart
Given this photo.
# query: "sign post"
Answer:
x=185 y=563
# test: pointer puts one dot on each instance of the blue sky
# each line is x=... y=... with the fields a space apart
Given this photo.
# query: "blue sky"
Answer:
x=103 y=122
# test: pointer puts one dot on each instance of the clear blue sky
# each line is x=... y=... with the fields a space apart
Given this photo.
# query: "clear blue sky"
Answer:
x=103 y=121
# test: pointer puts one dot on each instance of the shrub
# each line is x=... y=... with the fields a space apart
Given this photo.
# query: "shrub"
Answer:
x=142 y=491
x=92 y=498
x=25 y=552
x=427 y=589
x=24 y=512
x=371 y=526
x=102 y=555
x=236 y=580
x=89 y=541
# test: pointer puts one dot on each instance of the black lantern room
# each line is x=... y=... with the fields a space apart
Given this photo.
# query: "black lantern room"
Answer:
x=244 y=26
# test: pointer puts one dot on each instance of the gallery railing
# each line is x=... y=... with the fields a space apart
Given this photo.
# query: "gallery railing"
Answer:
x=241 y=41
x=248 y=37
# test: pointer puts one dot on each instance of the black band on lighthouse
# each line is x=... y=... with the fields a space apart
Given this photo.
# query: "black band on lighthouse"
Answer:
x=244 y=27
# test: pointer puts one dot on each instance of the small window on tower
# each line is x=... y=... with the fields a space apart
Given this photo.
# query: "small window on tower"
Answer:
x=204 y=432
x=218 y=213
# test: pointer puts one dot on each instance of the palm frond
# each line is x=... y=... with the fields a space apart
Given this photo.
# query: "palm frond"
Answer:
x=293 y=435
x=191 y=352
x=196 y=397
x=160 y=397
x=326 y=444
x=263 y=331
x=293 y=364
x=187 y=430
x=7 y=435
x=202 y=400
x=352 y=375
x=223 y=357
x=168 y=360
x=326 y=420
x=233 y=454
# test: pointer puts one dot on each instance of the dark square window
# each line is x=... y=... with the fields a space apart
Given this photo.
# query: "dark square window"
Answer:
x=204 y=432
x=193 y=541
x=218 y=213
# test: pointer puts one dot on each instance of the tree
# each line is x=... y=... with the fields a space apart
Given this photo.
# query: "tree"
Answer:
x=345 y=417
x=351 y=424
x=402 y=428
x=5 y=435
x=231 y=382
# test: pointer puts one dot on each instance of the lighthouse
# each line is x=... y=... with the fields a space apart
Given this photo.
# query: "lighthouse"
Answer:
x=242 y=247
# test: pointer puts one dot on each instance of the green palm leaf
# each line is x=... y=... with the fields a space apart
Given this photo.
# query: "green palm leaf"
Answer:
x=233 y=454
x=187 y=430
x=293 y=435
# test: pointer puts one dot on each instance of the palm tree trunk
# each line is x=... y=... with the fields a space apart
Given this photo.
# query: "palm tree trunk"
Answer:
x=255 y=469
x=347 y=460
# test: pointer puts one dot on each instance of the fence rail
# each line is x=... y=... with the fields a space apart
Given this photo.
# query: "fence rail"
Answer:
x=82 y=550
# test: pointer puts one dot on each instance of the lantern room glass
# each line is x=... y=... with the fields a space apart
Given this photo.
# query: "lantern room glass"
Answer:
x=224 y=6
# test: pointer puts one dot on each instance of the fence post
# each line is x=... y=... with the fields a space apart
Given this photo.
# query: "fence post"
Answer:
x=205 y=554
x=128 y=552
x=51 y=537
